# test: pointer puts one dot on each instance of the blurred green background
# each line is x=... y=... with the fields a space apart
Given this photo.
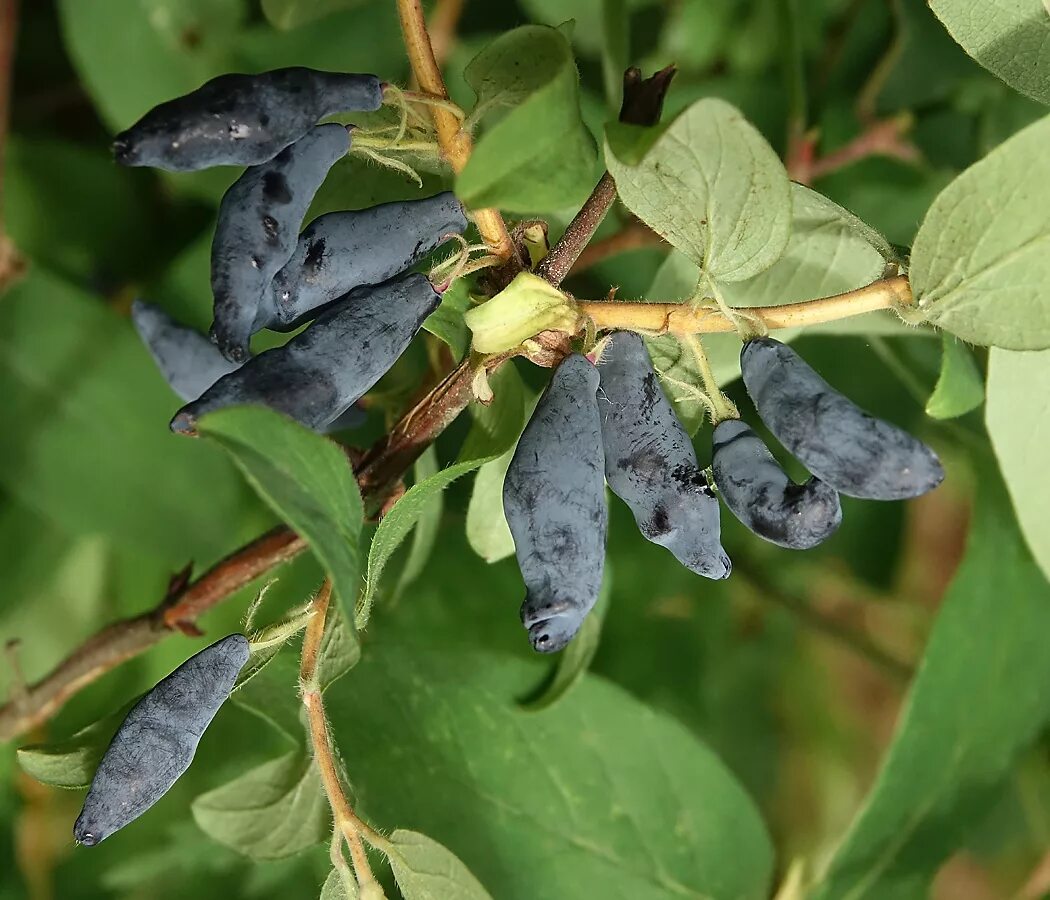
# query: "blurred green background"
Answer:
x=99 y=504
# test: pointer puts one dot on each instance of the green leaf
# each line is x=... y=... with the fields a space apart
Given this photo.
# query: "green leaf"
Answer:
x=85 y=413
x=71 y=763
x=679 y=372
x=713 y=187
x=335 y=888
x=285 y=14
x=496 y=427
x=977 y=701
x=398 y=523
x=981 y=259
x=446 y=322
x=598 y=790
x=573 y=662
x=487 y=530
x=1018 y=419
x=426 y=870
x=960 y=387
x=424 y=535
x=1009 y=39
x=304 y=477
x=274 y=810
x=539 y=156
x=133 y=56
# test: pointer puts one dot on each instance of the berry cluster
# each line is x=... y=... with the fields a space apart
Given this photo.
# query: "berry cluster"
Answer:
x=614 y=416
x=344 y=271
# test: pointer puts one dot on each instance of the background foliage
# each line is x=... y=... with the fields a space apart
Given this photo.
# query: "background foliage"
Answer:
x=724 y=730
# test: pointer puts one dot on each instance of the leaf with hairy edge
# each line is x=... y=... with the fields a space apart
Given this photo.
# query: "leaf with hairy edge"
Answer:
x=978 y=700
x=398 y=523
x=959 y=387
x=304 y=477
x=274 y=810
x=981 y=260
x=426 y=870
x=1018 y=419
x=710 y=185
x=425 y=533
x=1011 y=39
x=335 y=888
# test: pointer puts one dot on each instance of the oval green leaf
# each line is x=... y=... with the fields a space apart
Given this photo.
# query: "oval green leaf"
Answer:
x=710 y=185
x=981 y=260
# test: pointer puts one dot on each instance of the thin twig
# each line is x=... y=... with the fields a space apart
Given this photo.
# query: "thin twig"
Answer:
x=346 y=820
x=456 y=144
x=885 y=137
x=685 y=318
x=634 y=236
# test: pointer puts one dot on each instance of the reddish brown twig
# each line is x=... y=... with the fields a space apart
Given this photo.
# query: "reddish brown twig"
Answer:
x=885 y=137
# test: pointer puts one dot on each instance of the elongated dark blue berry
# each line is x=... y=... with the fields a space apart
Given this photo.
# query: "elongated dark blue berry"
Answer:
x=845 y=447
x=257 y=230
x=343 y=250
x=650 y=462
x=327 y=367
x=156 y=742
x=242 y=120
x=554 y=499
x=759 y=493
x=191 y=364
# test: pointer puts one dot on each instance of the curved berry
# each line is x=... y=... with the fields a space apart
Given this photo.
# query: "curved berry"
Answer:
x=343 y=250
x=257 y=230
x=853 y=452
x=242 y=120
x=189 y=362
x=554 y=499
x=759 y=493
x=327 y=367
x=156 y=741
x=650 y=462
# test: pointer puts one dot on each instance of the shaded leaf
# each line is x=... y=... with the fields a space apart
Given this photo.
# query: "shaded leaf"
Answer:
x=956 y=739
x=305 y=478
x=71 y=763
x=287 y=14
x=588 y=791
x=487 y=530
x=334 y=888
x=425 y=534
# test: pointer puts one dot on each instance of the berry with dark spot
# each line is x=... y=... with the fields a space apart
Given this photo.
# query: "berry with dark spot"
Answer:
x=759 y=493
x=343 y=250
x=845 y=447
x=156 y=742
x=650 y=462
x=255 y=234
x=554 y=499
x=242 y=120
